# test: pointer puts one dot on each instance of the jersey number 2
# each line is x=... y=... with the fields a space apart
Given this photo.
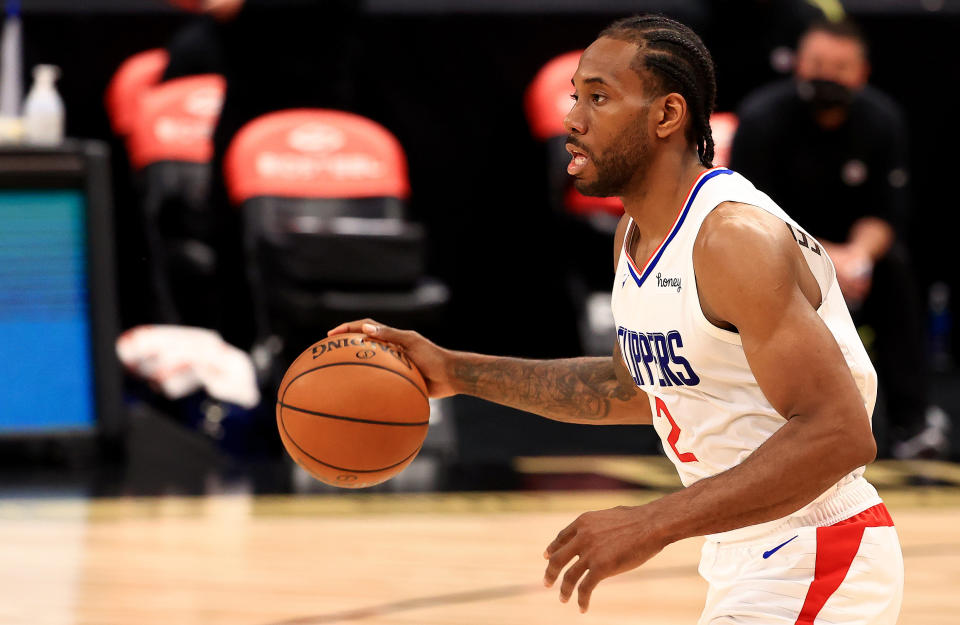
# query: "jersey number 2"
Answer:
x=674 y=435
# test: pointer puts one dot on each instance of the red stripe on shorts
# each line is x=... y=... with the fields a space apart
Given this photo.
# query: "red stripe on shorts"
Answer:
x=837 y=545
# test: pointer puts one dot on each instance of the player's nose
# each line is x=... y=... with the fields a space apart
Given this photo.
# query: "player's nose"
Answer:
x=574 y=121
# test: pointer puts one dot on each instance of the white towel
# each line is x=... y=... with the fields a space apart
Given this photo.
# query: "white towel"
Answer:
x=179 y=360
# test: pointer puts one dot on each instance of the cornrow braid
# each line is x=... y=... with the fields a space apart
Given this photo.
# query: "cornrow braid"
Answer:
x=680 y=63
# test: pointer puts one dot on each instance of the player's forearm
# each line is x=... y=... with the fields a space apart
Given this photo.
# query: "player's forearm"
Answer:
x=873 y=236
x=791 y=469
x=574 y=390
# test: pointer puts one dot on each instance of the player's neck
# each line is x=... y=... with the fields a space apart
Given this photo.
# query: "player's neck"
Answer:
x=653 y=205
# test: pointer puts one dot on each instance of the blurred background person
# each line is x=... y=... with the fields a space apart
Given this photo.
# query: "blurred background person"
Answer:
x=755 y=41
x=845 y=176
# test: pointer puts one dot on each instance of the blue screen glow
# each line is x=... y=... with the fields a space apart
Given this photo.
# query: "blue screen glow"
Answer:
x=46 y=367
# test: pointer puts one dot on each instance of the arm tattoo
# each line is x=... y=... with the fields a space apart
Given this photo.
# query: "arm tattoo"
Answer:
x=574 y=389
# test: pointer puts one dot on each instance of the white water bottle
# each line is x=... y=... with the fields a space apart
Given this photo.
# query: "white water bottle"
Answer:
x=43 y=117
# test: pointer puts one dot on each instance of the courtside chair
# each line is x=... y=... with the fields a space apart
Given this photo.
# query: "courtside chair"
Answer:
x=323 y=196
x=170 y=148
x=134 y=76
x=121 y=101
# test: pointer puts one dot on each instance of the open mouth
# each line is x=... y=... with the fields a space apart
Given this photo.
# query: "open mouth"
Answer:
x=579 y=159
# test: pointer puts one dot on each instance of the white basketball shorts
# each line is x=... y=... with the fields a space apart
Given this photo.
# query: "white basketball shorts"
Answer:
x=849 y=573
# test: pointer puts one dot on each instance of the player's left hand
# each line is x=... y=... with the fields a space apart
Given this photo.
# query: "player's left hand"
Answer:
x=605 y=543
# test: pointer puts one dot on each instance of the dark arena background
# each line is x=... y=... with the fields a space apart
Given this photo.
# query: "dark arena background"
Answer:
x=142 y=477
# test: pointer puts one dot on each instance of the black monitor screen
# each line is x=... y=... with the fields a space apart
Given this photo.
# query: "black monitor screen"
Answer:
x=46 y=358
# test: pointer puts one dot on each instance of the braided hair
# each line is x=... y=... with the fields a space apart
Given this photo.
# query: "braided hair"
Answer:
x=680 y=63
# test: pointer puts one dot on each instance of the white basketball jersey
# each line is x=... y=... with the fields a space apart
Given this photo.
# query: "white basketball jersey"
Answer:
x=707 y=407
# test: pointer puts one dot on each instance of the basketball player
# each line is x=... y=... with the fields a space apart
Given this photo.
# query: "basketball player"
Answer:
x=734 y=342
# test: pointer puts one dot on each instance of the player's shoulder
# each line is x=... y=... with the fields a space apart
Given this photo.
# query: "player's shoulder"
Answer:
x=742 y=259
x=737 y=236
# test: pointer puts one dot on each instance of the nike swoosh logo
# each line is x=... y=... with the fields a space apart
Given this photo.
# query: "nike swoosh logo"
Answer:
x=767 y=554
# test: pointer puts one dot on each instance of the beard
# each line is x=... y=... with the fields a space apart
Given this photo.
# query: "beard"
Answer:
x=621 y=163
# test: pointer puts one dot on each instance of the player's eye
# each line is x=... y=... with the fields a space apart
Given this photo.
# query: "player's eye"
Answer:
x=598 y=98
x=574 y=97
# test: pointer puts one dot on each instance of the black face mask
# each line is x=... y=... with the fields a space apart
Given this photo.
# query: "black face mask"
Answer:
x=824 y=94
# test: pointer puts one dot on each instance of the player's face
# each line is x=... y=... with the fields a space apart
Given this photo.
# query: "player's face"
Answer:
x=608 y=135
x=824 y=56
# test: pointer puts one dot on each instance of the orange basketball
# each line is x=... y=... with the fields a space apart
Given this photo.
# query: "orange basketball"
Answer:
x=352 y=410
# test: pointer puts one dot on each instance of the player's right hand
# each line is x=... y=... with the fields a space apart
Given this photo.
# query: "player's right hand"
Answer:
x=433 y=361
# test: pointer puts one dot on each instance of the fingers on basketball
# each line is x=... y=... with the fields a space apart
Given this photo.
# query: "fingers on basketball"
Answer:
x=353 y=327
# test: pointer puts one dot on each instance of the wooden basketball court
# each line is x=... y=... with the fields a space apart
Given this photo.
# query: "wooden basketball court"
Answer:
x=375 y=559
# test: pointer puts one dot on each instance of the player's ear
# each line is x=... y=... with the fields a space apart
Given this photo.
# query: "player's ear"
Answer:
x=672 y=112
